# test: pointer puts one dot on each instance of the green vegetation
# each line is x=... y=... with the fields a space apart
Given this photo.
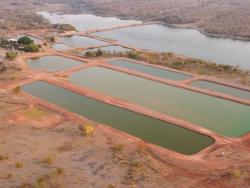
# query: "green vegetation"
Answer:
x=4 y=43
x=64 y=27
x=96 y=53
x=31 y=48
x=133 y=54
x=25 y=40
x=11 y=55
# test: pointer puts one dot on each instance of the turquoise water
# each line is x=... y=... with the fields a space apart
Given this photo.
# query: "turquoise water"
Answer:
x=222 y=89
x=149 y=70
x=52 y=63
x=149 y=129
x=222 y=116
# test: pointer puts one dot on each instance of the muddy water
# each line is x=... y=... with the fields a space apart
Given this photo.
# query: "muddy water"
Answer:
x=149 y=70
x=222 y=89
x=83 y=22
x=149 y=129
x=184 y=41
x=224 y=117
x=52 y=63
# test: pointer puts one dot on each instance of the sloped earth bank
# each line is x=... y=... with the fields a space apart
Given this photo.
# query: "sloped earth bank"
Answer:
x=47 y=149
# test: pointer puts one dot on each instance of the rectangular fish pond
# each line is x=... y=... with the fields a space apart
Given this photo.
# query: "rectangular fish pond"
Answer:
x=148 y=129
x=166 y=74
x=222 y=116
x=77 y=41
x=52 y=63
x=222 y=89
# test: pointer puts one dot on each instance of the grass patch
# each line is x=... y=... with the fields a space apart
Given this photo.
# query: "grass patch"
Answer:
x=48 y=160
x=35 y=113
x=117 y=148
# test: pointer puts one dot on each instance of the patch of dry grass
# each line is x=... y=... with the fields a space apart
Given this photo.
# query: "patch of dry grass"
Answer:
x=35 y=113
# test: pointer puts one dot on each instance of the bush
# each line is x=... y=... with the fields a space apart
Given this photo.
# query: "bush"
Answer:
x=25 y=40
x=64 y=27
x=99 y=52
x=90 y=54
x=11 y=55
x=31 y=48
x=133 y=54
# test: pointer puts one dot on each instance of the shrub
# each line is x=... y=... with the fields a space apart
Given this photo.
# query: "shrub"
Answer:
x=31 y=48
x=117 y=148
x=87 y=129
x=90 y=54
x=25 y=40
x=133 y=54
x=59 y=171
x=48 y=160
x=99 y=52
x=11 y=55
x=16 y=90
x=18 y=165
x=64 y=27
x=236 y=173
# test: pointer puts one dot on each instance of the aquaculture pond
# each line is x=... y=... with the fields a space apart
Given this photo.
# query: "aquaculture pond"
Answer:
x=77 y=41
x=184 y=41
x=52 y=63
x=222 y=116
x=83 y=22
x=162 y=73
x=60 y=46
x=149 y=129
x=222 y=89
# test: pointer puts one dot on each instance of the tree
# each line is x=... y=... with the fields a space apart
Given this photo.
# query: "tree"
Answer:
x=31 y=48
x=11 y=55
x=99 y=52
x=25 y=40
